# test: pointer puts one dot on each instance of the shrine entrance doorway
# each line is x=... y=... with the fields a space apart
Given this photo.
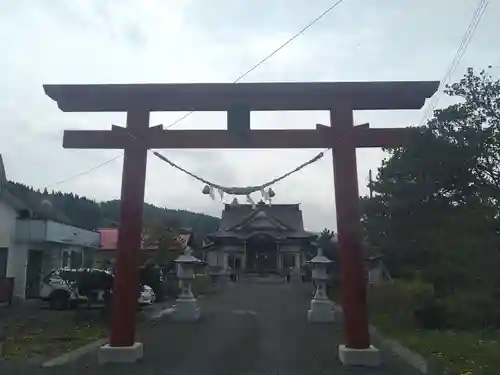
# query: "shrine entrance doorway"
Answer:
x=262 y=254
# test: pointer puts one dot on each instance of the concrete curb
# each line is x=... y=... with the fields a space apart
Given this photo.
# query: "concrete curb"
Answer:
x=81 y=351
x=414 y=359
x=74 y=354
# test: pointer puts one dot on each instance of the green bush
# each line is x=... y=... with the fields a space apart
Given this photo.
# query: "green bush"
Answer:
x=399 y=299
x=399 y=293
x=431 y=313
x=472 y=310
x=461 y=348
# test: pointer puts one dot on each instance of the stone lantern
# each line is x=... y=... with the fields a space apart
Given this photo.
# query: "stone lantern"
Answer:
x=186 y=307
x=321 y=310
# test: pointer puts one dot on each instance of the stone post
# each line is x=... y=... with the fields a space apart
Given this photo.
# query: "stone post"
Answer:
x=321 y=310
x=186 y=307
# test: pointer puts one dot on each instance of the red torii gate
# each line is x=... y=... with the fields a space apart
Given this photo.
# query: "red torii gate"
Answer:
x=341 y=99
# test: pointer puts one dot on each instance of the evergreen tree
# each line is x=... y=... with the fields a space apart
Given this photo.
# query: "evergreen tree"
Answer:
x=85 y=213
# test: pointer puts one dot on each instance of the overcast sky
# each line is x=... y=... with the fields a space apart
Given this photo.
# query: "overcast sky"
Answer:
x=129 y=41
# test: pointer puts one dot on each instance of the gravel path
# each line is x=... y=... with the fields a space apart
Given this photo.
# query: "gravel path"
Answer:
x=249 y=328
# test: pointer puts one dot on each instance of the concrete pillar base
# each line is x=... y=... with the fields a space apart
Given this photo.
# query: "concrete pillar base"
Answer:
x=321 y=312
x=369 y=357
x=186 y=310
x=120 y=354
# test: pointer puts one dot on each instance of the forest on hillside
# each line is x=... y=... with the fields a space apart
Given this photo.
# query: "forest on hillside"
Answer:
x=86 y=213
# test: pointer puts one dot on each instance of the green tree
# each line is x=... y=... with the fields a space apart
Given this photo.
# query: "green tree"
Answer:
x=326 y=241
x=165 y=236
x=473 y=126
x=435 y=207
x=86 y=213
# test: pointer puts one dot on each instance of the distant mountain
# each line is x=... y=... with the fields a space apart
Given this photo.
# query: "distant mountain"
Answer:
x=85 y=213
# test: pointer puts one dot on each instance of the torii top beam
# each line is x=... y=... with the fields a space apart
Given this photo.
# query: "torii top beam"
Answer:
x=287 y=96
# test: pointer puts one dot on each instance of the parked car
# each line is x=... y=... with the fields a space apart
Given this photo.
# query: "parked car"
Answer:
x=147 y=295
x=64 y=288
x=155 y=278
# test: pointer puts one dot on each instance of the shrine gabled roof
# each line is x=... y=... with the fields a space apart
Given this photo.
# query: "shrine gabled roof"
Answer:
x=267 y=221
x=246 y=235
x=279 y=96
x=283 y=221
x=288 y=215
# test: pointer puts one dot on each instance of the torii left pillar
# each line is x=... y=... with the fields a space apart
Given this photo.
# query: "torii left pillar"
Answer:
x=122 y=346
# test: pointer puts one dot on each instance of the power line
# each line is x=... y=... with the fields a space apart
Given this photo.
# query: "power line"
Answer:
x=84 y=172
x=269 y=56
x=457 y=57
x=469 y=33
x=274 y=52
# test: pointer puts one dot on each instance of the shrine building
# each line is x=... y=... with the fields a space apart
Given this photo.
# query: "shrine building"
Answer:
x=260 y=238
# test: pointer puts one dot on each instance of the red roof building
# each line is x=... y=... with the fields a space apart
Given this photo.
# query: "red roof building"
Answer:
x=109 y=239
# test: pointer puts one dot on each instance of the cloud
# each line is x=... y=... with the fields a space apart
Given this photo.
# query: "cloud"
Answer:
x=92 y=41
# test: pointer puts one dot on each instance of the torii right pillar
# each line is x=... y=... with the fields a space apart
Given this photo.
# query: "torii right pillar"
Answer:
x=356 y=350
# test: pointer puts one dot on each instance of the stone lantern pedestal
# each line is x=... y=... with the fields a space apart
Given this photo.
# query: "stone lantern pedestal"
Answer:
x=321 y=310
x=186 y=307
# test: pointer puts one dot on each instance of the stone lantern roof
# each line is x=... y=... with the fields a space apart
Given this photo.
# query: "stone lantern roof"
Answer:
x=320 y=258
x=187 y=257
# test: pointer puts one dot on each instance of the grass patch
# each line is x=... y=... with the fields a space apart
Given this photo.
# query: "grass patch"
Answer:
x=42 y=338
x=459 y=352
x=472 y=352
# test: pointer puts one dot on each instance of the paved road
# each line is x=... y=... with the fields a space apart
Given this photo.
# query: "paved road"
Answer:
x=249 y=328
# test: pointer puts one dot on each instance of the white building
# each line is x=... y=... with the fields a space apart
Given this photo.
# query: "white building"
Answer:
x=33 y=241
